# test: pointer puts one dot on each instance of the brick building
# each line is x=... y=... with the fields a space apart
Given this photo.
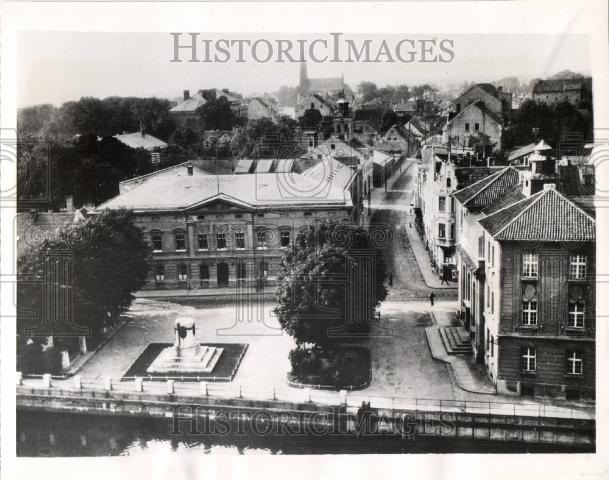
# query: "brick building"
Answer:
x=209 y=231
x=539 y=301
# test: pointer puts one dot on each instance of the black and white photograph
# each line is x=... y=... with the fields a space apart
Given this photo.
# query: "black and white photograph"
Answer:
x=303 y=242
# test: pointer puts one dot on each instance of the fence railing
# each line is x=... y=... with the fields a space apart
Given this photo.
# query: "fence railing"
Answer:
x=79 y=386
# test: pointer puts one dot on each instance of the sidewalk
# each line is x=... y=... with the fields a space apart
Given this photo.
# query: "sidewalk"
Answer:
x=422 y=257
x=207 y=293
x=465 y=376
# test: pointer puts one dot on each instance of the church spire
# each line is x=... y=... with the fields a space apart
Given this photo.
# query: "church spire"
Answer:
x=304 y=80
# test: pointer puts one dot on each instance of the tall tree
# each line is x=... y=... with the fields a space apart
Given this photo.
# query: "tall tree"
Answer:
x=320 y=294
x=216 y=114
x=109 y=260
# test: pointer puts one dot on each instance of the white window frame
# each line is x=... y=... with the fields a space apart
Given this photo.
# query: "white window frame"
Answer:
x=529 y=313
x=159 y=277
x=576 y=314
x=261 y=245
x=530 y=265
x=575 y=358
x=199 y=236
x=242 y=236
x=528 y=359
x=182 y=277
x=160 y=237
x=578 y=265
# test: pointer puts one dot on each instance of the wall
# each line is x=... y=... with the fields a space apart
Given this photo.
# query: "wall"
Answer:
x=228 y=219
x=552 y=336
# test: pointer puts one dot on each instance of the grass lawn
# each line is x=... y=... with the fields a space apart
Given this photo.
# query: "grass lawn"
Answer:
x=226 y=367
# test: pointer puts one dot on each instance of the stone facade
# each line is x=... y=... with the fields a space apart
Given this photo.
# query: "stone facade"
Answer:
x=223 y=245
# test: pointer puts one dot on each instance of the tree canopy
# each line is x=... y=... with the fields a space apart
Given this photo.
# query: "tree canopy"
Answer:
x=109 y=260
x=331 y=281
x=534 y=121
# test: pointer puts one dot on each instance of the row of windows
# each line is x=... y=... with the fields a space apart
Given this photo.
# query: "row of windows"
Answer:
x=577 y=266
x=262 y=240
x=476 y=127
x=183 y=274
x=574 y=361
x=575 y=318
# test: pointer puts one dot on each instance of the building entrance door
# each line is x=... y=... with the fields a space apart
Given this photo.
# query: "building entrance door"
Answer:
x=222 y=275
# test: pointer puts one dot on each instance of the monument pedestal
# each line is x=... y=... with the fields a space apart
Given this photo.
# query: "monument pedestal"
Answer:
x=186 y=355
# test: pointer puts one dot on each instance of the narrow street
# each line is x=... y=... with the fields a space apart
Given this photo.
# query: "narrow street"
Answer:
x=394 y=211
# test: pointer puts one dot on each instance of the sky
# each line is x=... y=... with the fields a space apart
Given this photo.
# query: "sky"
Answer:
x=55 y=67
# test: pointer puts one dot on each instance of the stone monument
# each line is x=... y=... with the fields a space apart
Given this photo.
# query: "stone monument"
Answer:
x=186 y=355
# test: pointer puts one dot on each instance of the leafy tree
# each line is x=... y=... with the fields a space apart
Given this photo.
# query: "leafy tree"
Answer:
x=109 y=261
x=311 y=119
x=368 y=91
x=216 y=114
x=535 y=121
x=316 y=293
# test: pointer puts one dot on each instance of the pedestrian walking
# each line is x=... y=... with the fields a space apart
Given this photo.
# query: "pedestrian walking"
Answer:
x=391 y=279
x=444 y=275
x=432 y=297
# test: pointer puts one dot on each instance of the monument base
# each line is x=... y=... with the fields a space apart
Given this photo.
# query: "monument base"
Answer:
x=171 y=361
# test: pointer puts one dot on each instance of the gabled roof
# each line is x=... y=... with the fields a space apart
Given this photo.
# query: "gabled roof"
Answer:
x=512 y=196
x=487 y=190
x=139 y=140
x=520 y=152
x=321 y=100
x=480 y=106
x=546 y=216
x=189 y=105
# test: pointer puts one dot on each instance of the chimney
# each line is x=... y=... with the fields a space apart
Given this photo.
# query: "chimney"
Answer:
x=186 y=94
x=69 y=204
x=189 y=169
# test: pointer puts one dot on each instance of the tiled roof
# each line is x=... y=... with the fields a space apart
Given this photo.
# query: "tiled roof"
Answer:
x=467 y=176
x=137 y=140
x=546 y=216
x=521 y=151
x=487 y=190
x=189 y=105
x=488 y=88
x=174 y=190
x=513 y=195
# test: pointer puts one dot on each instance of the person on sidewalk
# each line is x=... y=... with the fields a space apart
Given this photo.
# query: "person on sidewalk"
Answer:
x=432 y=297
x=444 y=275
x=391 y=279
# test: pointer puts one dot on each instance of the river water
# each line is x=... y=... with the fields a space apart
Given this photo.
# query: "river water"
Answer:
x=41 y=434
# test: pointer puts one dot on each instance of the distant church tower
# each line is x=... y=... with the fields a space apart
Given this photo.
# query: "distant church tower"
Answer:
x=303 y=88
